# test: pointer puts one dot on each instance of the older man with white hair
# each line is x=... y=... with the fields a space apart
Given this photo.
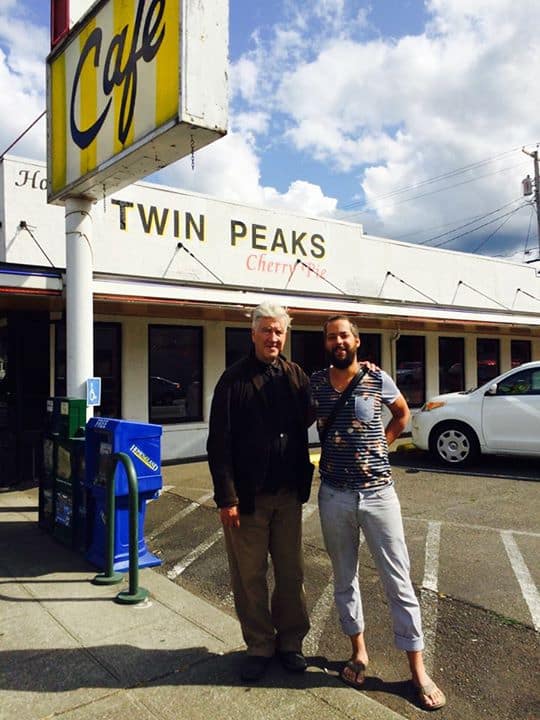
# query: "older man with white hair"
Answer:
x=259 y=460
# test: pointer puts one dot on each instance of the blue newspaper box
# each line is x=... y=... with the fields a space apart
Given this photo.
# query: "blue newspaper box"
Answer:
x=142 y=443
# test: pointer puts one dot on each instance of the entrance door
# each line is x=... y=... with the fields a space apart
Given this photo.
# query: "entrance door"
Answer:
x=24 y=389
x=8 y=445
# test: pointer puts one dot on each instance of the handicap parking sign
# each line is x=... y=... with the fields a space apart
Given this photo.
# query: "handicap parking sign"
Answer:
x=93 y=391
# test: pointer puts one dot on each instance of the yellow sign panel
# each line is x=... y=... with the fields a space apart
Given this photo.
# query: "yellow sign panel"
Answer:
x=115 y=109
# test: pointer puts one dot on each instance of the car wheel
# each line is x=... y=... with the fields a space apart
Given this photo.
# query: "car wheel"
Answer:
x=454 y=444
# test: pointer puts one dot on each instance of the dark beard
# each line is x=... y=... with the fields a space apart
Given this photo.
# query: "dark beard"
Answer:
x=343 y=363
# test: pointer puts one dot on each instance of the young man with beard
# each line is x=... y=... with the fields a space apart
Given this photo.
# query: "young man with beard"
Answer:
x=356 y=493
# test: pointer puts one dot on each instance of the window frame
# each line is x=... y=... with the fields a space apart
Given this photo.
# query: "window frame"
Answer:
x=403 y=387
x=198 y=331
x=453 y=339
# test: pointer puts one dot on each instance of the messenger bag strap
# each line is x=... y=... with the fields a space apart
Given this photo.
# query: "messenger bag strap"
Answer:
x=340 y=402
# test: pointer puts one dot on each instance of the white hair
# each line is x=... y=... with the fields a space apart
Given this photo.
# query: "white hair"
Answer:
x=270 y=310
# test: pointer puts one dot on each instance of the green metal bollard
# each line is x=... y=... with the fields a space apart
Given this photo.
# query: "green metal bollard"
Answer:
x=109 y=576
x=135 y=594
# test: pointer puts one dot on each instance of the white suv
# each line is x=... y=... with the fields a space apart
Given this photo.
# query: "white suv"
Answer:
x=500 y=417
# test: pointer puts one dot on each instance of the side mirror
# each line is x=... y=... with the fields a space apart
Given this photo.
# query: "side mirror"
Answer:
x=492 y=389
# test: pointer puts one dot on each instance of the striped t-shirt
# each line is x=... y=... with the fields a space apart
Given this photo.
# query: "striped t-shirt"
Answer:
x=355 y=452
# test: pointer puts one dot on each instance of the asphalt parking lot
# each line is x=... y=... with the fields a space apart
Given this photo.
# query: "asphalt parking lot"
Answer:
x=474 y=541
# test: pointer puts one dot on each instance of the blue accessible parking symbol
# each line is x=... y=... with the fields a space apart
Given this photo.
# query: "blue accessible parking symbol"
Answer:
x=93 y=391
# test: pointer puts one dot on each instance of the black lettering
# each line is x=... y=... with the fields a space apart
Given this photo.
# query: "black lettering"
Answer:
x=150 y=46
x=297 y=242
x=122 y=204
x=83 y=138
x=119 y=71
x=238 y=231
x=43 y=184
x=153 y=218
x=317 y=250
x=116 y=48
x=279 y=241
x=176 y=223
x=257 y=235
x=190 y=224
x=25 y=175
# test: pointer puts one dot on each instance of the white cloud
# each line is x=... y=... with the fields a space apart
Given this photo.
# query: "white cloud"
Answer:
x=23 y=48
x=250 y=124
x=301 y=195
x=460 y=92
x=243 y=78
x=229 y=169
x=325 y=83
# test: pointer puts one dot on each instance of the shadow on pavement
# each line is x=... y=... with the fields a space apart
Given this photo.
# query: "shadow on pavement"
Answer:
x=66 y=669
x=498 y=466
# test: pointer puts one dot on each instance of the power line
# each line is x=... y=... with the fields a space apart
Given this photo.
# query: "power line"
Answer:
x=476 y=219
x=457 y=237
x=451 y=225
x=448 y=187
x=436 y=178
x=484 y=242
x=23 y=134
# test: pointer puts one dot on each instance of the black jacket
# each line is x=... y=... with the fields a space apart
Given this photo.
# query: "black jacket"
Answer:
x=239 y=439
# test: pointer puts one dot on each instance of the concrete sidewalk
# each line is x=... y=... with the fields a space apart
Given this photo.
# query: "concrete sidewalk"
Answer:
x=68 y=650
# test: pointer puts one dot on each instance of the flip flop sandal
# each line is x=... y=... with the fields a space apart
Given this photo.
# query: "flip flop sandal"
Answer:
x=424 y=691
x=359 y=670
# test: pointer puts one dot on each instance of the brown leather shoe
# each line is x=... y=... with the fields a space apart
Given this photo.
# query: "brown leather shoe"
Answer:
x=292 y=661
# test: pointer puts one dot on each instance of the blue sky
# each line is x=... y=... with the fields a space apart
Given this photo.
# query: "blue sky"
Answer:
x=404 y=115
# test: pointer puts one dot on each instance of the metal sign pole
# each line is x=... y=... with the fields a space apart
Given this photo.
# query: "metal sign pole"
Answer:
x=79 y=297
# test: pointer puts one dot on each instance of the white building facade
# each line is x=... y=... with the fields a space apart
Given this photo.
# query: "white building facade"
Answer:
x=176 y=275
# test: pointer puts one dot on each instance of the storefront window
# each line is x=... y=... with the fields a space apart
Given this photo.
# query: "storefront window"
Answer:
x=370 y=347
x=175 y=362
x=487 y=359
x=107 y=366
x=307 y=349
x=4 y=394
x=520 y=351
x=451 y=364
x=237 y=344
x=411 y=363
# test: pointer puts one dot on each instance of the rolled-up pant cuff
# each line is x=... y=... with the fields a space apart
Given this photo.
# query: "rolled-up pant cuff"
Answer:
x=352 y=628
x=408 y=644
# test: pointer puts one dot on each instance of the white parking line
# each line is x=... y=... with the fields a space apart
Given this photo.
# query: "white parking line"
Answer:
x=475 y=527
x=431 y=564
x=429 y=600
x=179 y=515
x=523 y=576
x=180 y=567
x=318 y=616
x=307 y=511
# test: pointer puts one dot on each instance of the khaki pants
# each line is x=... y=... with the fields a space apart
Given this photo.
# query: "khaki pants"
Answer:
x=274 y=529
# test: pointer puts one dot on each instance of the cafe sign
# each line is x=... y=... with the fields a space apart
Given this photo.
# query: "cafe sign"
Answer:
x=134 y=86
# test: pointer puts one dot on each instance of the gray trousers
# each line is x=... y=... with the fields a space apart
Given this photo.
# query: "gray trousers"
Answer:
x=275 y=528
x=377 y=513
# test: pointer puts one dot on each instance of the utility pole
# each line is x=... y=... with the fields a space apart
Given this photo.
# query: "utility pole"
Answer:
x=534 y=156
